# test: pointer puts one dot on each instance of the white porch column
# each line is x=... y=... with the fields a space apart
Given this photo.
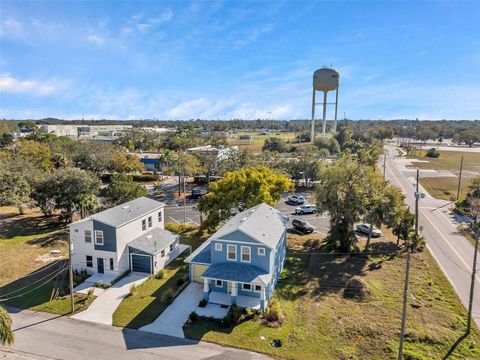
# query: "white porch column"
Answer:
x=262 y=297
x=206 y=289
x=234 y=292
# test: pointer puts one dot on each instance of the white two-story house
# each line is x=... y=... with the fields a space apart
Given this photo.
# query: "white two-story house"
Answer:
x=130 y=236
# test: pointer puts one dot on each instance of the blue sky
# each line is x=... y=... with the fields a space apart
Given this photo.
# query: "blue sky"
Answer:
x=233 y=59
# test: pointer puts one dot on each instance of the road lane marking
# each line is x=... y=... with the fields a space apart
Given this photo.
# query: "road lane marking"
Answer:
x=174 y=220
x=194 y=222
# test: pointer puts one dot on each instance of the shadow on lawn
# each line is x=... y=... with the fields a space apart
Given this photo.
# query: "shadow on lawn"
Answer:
x=159 y=303
x=30 y=286
x=28 y=225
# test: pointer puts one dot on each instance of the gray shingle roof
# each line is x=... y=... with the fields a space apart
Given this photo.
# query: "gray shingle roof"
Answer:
x=262 y=222
x=153 y=241
x=234 y=271
x=126 y=212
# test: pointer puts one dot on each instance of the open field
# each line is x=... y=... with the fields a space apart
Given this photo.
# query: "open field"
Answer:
x=150 y=300
x=322 y=323
x=446 y=187
x=25 y=279
x=24 y=239
x=450 y=161
x=256 y=141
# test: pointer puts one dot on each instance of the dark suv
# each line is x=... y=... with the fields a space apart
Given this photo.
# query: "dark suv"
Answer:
x=302 y=226
x=197 y=193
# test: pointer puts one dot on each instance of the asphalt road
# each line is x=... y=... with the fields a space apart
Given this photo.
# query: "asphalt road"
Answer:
x=451 y=249
x=174 y=212
x=58 y=337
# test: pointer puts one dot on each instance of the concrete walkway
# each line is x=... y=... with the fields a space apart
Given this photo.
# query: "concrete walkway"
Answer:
x=171 y=321
x=103 y=307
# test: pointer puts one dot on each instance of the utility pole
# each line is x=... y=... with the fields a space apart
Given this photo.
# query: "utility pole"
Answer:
x=384 y=164
x=460 y=179
x=472 y=286
x=404 y=310
x=184 y=208
x=70 y=275
x=417 y=196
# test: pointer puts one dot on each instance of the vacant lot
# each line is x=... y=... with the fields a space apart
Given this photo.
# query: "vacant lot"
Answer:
x=256 y=141
x=446 y=187
x=322 y=323
x=29 y=273
x=154 y=295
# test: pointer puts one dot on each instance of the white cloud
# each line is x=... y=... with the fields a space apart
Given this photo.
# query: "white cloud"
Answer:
x=10 y=84
x=11 y=27
x=255 y=34
x=95 y=39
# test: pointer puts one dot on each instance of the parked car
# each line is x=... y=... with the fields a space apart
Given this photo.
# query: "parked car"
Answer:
x=302 y=226
x=306 y=209
x=296 y=199
x=365 y=229
x=197 y=193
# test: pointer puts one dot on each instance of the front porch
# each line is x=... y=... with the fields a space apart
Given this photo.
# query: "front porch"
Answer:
x=221 y=298
x=229 y=293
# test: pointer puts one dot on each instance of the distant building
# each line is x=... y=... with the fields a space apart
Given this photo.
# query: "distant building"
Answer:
x=89 y=131
x=221 y=153
x=151 y=160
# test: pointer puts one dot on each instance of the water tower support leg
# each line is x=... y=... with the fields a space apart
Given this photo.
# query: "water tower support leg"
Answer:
x=336 y=107
x=324 y=125
x=312 y=133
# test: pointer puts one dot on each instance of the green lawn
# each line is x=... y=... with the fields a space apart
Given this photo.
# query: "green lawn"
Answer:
x=322 y=324
x=446 y=187
x=149 y=302
x=256 y=142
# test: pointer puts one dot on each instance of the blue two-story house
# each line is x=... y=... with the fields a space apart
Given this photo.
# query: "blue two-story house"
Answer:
x=244 y=257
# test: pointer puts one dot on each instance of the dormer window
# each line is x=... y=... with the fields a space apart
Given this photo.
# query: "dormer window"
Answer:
x=218 y=247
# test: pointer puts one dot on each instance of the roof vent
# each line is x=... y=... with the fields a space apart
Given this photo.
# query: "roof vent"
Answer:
x=252 y=211
x=245 y=218
x=125 y=207
x=148 y=236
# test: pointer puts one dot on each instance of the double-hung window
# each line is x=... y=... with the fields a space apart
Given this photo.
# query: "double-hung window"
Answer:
x=88 y=236
x=160 y=216
x=247 y=287
x=232 y=252
x=98 y=237
x=246 y=254
x=261 y=251
x=219 y=283
x=149 y=221
x=218 y=247
x=144 y=225
x=89 y=261
x=171 y=247
x=111 y=263
x=162 y=253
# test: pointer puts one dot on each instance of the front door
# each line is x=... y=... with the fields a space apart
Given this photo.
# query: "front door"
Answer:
x=100 y=267
x=229 y=287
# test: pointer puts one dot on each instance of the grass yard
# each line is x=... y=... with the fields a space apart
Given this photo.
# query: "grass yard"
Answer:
x=154 y=295
x=445 y=187
x=24 y=239
x=255 y=144
x=25 y=244
x=321 y=323
x=450 y=161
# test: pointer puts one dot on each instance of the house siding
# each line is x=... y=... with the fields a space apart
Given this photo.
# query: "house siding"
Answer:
x=109 y=237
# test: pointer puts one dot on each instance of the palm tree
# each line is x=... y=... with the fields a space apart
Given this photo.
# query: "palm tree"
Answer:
x=6 y=333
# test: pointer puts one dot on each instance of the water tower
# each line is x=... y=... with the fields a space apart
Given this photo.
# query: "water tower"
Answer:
x=325 y=79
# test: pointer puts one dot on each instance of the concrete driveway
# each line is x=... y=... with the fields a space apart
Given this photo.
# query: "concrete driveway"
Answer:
x=171 y=321
x=103 y=307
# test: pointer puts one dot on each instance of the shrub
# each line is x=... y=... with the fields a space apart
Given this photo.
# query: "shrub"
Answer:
x=102 y=285
x=193 y=316
x=90 y=293
x=168 y=296
x=133 y=289
x=417 y=242
x=433 y=153
x=356 y=289
x=160 y=274
x=273 y=312
x=202 y=303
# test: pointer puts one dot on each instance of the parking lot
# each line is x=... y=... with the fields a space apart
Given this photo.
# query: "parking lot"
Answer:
x=175 y=213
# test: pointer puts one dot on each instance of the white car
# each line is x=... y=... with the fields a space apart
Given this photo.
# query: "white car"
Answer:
x=365 y=229
x=296 y=199
x=306 y=209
